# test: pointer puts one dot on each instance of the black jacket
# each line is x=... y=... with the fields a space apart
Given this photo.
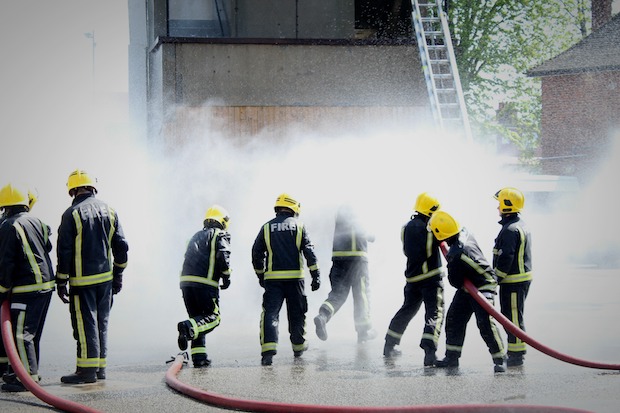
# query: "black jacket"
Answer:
x=512 y=257
x=25 y=264
x=350 y=238
x=207 y=258
x=278 y=248
x=465 y=260
x=422 y=251
x=90 y=243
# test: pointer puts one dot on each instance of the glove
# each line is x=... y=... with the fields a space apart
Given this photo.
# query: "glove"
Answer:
x=225 y=283
x=61 y=290
x=261 y=280
x=316 y=280
x=117 y=283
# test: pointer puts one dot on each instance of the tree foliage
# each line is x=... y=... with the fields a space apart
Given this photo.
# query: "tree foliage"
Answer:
x=495 y=43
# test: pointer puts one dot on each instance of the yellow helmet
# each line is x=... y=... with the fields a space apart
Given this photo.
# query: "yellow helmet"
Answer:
x=426 y=204
x=443 y=225
x=510 y=200
x=219 y=214
x=11 y=196
x=286 y=201
x=79 y=178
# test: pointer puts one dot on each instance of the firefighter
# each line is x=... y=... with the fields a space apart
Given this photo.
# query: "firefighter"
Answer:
x=4 y=360
x=349 y=272
x=466 y=261
x=423 y=274
x=512 y=262
x=277 y=259
x=207 y=261
x=26 y=279
x=91 y=258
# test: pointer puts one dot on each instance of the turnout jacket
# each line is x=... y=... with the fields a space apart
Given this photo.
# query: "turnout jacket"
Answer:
x=279 y=246
x=465 y=260
x=91 y=244
x=512 y=258
x=207 y=258
x=350 y=239
x=25 y=265
x=422 y=251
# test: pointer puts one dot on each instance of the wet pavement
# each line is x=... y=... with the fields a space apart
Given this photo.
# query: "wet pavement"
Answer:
x=353 y=375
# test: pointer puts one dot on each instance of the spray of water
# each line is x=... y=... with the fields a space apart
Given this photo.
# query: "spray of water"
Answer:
x=161 y=196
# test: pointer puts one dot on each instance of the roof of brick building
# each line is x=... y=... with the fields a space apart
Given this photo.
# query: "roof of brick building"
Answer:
x=600 y=51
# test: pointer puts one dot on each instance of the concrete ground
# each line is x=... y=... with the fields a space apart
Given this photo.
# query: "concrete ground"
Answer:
x=578 y=319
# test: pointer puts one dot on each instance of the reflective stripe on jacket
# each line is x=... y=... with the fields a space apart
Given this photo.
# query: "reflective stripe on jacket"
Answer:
x=465 y=260
x=279 y=249
x=207 y=258
x=350 y=239
x=421 y=249
x=25 y=264
x=512 y=258
x=90 y=243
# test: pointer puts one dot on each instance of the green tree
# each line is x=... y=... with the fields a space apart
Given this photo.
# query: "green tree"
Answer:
x=495 y=43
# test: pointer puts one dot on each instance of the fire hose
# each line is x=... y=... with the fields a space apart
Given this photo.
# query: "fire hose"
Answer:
x=510 y=326
x=24 y=376
x=278 y=407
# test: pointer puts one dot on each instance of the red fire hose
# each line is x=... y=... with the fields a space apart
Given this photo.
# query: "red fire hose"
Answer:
x=276 y=407
x=473 y=291
x=24 y=376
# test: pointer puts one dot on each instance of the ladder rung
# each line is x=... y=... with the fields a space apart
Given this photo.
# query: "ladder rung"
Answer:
x=433 y=32
x=440 y=61
x=446 y=90
x=437 y=47
x=442 y=75
x=429 y=19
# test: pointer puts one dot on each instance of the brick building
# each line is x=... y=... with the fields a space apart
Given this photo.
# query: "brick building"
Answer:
x=580 y=103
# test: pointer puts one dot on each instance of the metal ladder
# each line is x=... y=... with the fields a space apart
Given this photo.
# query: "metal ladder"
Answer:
x=440 y=71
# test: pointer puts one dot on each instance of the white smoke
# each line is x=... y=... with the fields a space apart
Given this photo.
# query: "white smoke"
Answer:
x=161 y=196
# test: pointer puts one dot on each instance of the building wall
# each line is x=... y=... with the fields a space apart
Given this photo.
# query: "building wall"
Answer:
x=294 y=78
x=580 y=112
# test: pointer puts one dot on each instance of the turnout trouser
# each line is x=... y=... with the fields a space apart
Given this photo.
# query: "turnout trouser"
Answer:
x=202 y=305
x=344 y=276
x=90 y=311
x=431 y=294
x=276 y=293
x=461 y=309
x=512 y=302
x=28 y=313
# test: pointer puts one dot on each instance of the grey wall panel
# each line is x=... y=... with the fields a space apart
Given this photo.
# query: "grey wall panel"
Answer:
x=282 y=75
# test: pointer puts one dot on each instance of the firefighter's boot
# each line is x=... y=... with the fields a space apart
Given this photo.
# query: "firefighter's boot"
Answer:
x=498 y=365
x=366 y=335
x=15 y=387
x=101 y=373
x=449 y=361
x=185 y=334
x=429 y=357
x=298 y=353
x=389 y=351
x=202 y=361
x=320 y=322
x=267 y=358
x=81 y=376
x=514 y=359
